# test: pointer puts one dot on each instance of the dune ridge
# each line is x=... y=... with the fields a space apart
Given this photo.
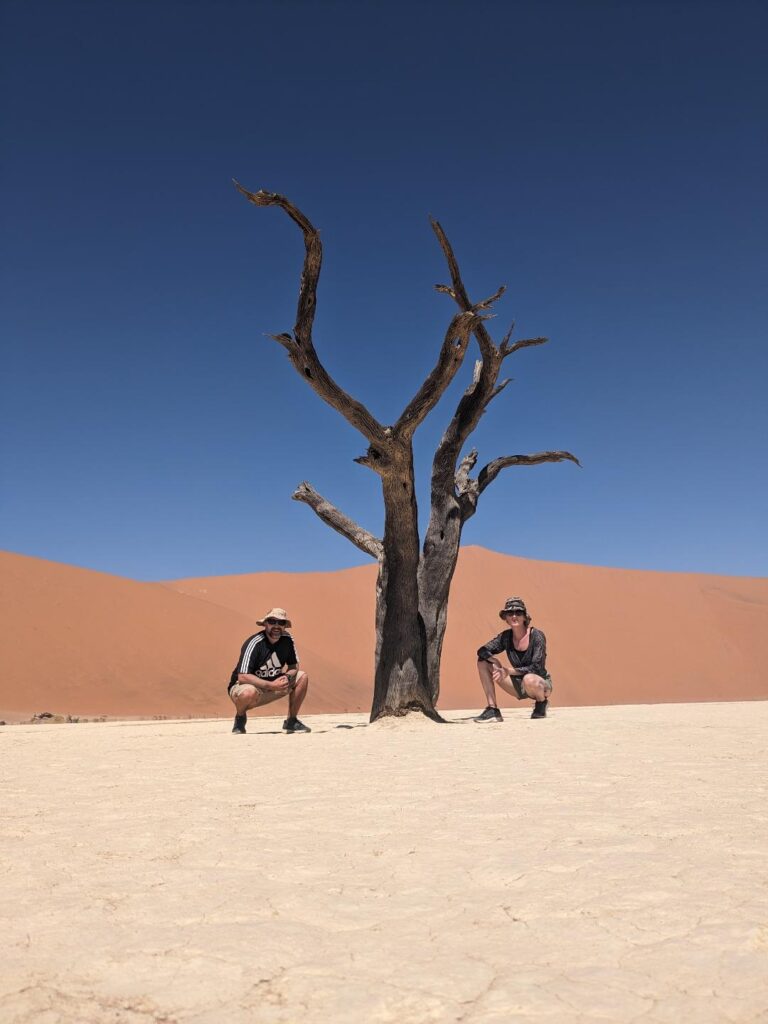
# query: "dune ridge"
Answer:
x=81 y=642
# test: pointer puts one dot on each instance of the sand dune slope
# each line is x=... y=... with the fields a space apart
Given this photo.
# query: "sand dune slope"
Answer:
x=86 y=643
x=83 y=642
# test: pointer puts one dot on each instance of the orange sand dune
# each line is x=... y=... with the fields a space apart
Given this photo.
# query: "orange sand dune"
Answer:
x=86 y=643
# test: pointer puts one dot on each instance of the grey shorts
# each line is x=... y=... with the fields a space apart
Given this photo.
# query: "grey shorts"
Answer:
x=517 y=683
x=260 y=697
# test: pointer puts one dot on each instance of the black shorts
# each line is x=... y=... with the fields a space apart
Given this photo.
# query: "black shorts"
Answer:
x=517 y=683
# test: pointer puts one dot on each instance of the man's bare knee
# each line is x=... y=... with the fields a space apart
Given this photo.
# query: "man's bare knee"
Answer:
x=245 y=696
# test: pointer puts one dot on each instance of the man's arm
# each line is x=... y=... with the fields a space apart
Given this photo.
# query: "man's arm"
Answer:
x=290 y=673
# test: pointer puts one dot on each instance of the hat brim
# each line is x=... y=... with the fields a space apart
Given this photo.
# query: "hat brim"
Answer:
x=263 y=622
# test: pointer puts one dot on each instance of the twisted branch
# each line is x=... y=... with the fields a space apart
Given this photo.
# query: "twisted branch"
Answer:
x=506 y=349
x=448 y=362
x=458 y=292
x=474 y=400
x=489 y=473
x=299 y=346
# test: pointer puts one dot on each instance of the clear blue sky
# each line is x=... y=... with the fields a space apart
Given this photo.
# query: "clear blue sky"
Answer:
x=608 y=161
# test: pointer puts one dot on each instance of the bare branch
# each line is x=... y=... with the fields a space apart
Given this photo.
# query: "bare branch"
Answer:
x=506 y=349
x=459 y=292
x=489 y=473
x=450 y=359
x=477 y=395
x=300 y=348
x=504 y=346
x=342 y=524
x=282 y=339
x=264 y=198
x=499 y=388
x=486 y=303
x=475 y=398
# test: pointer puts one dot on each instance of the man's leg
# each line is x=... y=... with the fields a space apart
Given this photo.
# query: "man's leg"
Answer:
x=242 y=696
x=245 y=697
x=298 y=693
x=491 y=713
x=296 y=697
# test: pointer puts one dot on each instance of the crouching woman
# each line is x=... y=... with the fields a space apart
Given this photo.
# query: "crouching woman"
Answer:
x=526 y=650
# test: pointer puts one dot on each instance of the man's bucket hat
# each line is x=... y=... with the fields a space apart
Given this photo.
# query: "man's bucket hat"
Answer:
x=275 y=613
x=514 y=604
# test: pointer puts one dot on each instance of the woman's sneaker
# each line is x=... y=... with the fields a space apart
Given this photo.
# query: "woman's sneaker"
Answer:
x=540 y=709
x=490 y=715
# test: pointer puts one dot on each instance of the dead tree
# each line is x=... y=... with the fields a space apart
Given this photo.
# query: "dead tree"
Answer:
x=412 y=585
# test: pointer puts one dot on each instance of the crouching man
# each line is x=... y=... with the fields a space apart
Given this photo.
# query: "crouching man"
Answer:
x=268 y=669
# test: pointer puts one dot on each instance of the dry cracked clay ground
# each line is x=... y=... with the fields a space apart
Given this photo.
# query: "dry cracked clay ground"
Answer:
x=606 y=864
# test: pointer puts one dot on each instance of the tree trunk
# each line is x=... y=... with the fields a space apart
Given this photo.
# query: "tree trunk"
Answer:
x=401 y=678
x=436 y=569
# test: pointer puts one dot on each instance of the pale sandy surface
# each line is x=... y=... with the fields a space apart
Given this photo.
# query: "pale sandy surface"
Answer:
x=606 y=864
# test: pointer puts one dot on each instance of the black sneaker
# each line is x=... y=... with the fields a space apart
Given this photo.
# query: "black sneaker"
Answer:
x=490 y=715
x=294 y=725
x=239 y=725
x=540 y=709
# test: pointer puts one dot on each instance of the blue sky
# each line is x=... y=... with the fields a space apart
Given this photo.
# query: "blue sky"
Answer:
x=607 y=161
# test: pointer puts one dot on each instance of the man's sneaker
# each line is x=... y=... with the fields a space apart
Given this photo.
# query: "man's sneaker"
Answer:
x=540 y=709
x=490 y=715
x=294 y=725
x=239 y=725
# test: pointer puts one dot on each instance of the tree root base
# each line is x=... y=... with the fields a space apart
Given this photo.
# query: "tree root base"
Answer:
x=407 y=709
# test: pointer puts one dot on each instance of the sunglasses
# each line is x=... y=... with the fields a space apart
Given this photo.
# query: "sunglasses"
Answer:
x=276 y=622
x=515 y=612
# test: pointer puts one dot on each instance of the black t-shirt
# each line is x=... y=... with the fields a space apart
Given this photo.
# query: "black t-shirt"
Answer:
x=258 y=657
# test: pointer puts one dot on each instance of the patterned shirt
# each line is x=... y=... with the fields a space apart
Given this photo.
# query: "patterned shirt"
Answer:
x=534 y=659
